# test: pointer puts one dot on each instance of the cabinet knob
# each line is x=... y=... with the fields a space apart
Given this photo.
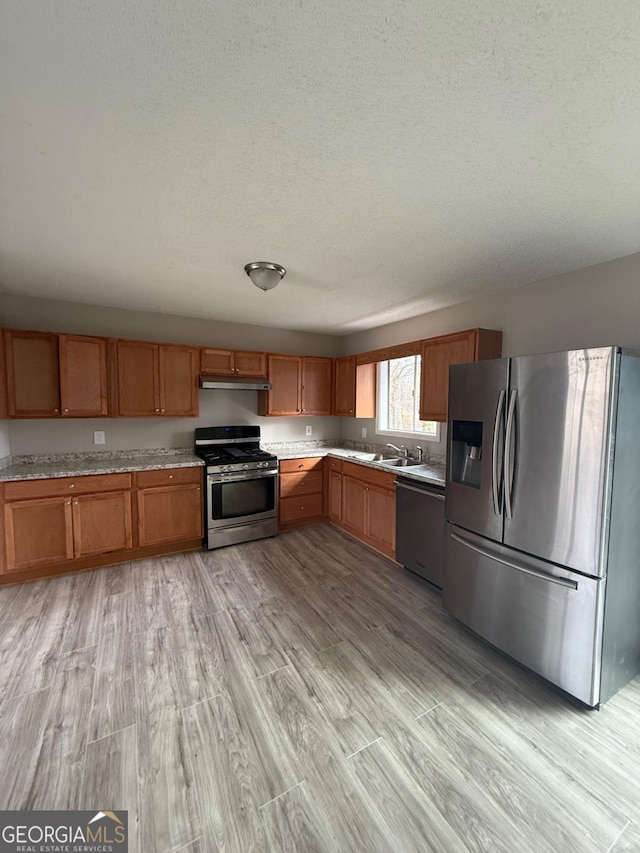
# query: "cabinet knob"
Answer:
x=162 y=410
x=66 y=410
x=75 y=503
x=157 y=410
x=67 y=503
x=56 y=410
x=72 y=485
x=366 y=488
x=171 y=476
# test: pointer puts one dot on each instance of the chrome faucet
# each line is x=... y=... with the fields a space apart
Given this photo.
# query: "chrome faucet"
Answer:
x=420 y=453
x=402 y=450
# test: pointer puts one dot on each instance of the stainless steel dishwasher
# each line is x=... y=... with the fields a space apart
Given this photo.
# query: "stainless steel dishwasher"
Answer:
x=420 y=528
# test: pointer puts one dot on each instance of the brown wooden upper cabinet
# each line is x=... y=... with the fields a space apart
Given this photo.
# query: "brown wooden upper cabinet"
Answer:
x=83 y=376
x=354 y=388
x=285 y=373
x=315 y=390
x=33 y=381
x=228 y=362
x=51 y=375
x=300 y=385
x=156 y=379
x=439 y=353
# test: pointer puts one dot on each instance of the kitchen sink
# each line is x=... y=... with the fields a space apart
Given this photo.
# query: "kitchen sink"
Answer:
x=400 y=463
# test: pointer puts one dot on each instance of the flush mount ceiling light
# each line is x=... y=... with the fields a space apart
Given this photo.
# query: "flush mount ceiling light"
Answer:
x=265 y=275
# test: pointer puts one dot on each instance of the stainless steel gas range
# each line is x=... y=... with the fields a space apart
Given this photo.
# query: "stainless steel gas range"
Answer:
x=241 y=485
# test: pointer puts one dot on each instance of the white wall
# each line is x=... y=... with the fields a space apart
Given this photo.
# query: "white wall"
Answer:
x=595 y=306
x=24 y=312
x=5 y=448
x=216 y=407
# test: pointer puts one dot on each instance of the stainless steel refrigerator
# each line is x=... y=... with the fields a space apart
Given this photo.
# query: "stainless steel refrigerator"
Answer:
x=542 y=544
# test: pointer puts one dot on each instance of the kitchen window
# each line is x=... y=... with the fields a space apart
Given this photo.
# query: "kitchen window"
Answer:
x=399 y=400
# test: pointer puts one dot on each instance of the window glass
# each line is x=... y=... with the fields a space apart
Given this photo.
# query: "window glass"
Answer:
x=399 y=399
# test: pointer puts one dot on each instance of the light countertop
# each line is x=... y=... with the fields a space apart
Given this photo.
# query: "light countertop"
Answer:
x=42 y=467
x=430 y=472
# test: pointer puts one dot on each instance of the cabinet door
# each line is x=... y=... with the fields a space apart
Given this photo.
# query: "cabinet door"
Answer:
x=335 y=496
x=345 y=386
x=83 y=376
x=353 y=505
x=101 y=523
x=38 y=532
x=381 y=518
x=251 y=363
x=218 y=362
x=316 y=386
x=284 y=375
x=178 y=381
x=169 y=514
x=304 y=483
x=33 y=384
x=138 y=379
x=437 y=355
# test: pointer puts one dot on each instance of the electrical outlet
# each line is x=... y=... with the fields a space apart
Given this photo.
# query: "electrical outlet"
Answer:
x=98 y=437
x=364 y=432
x=308 y=430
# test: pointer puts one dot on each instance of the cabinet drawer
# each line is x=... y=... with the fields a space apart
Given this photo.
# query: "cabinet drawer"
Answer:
x=169 y=477
x=292 y=509
x=300 y=483
x=288 y=466
x=370 y=475
x=24 y=489
x=335 y=464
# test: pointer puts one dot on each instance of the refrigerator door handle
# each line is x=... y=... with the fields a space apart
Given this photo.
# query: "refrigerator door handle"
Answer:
x=508 y=468
x=497 y=503
x=513 y=565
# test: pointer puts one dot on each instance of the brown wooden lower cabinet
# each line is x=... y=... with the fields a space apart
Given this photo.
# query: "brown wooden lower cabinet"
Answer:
x=68 y=523
x=169 y=514
x=334 y=496
x=362 y=501
x=301 y=491
x=51 y=530
x=38 y=532
x=101 y=523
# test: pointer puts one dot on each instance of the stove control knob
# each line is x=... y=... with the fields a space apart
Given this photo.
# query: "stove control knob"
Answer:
x=245 y=466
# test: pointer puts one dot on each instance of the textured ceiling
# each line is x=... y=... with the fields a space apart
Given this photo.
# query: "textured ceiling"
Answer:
x=397 y=156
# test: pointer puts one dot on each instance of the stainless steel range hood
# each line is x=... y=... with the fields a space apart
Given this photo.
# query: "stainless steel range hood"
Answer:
x=234 y=383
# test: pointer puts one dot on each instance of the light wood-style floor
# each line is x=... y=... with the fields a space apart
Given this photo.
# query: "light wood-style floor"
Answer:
x=298 y=694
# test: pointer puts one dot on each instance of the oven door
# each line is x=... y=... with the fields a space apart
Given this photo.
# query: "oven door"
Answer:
x=237 y=499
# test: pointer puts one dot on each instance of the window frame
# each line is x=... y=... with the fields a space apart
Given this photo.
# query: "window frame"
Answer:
x=382 y=405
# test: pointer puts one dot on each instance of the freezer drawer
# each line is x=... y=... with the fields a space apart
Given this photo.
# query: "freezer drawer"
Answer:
x=545 y=617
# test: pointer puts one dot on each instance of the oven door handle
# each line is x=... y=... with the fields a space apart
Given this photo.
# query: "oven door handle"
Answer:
x=216 y=479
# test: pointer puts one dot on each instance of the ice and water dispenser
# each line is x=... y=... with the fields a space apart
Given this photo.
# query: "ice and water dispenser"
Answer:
x=466 y=452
